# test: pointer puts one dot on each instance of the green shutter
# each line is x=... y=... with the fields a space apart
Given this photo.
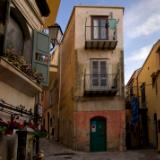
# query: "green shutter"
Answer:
x=41 y=56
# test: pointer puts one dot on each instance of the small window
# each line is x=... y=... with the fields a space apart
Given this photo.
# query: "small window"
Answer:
x=19 y=35
x=154 y=82
x=143 y=94
x=45 y=59
x=15 y=38
x=158 y=52
x=51 y=122
x=99 y=28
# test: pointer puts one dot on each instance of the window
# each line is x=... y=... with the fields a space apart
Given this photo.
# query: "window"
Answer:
x=12 y=42
x=158 y=52
x=51 y=122
x=99 y=28
x=98 y=73
x=50 y=98
x=143 y=94
x=18 y=27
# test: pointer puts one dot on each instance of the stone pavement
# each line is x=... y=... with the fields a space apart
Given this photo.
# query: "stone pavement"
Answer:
x=55 y=151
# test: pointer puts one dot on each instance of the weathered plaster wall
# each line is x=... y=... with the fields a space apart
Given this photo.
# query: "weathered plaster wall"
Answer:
x=151 y=65
x=15 y=97
x=114 y=58
x=67 y=85
x=115 y=129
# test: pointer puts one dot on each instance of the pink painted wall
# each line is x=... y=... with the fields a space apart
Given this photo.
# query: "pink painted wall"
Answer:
x=115 y=129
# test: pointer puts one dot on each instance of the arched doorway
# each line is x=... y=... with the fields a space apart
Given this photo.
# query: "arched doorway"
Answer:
x=98 y=134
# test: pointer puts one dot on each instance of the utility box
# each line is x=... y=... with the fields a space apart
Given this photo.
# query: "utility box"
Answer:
x=25 y=144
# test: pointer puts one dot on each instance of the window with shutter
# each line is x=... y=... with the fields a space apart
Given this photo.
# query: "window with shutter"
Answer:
x=98 y=73
x=41 y=56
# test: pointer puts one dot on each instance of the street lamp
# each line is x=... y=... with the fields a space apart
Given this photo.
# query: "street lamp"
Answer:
x=55 y=34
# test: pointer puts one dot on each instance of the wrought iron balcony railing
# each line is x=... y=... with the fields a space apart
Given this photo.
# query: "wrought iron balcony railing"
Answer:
x=101 y=84
x=100 y=37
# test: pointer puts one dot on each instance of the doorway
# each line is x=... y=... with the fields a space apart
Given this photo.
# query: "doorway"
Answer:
x=98 y=134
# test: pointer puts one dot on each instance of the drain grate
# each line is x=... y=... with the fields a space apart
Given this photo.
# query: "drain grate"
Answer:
x=64 y=154
x=68 y=157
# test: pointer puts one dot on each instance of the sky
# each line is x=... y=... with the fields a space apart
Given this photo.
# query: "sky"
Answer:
x=141 y=27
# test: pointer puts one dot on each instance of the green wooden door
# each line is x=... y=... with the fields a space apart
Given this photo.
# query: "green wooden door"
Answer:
x=98 y=134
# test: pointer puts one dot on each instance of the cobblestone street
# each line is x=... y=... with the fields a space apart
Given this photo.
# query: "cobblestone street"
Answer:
x=58 y=152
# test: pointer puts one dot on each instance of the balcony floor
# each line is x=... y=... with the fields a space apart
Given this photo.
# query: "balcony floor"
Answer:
x=99 y=93
x=100 y=44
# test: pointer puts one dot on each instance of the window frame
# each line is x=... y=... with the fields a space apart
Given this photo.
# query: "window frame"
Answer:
x=99 y=27
x=99 y=77
x=14 y=23
x=26 y=30
x=143 y=93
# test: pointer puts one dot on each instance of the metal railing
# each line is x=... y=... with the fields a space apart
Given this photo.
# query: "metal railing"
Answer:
x=101 y=82
x=100 y=33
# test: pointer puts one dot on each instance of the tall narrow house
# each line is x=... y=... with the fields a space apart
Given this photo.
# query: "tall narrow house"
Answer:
x=91 y=109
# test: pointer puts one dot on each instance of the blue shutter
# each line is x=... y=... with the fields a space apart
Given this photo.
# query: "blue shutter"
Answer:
x=41 y=56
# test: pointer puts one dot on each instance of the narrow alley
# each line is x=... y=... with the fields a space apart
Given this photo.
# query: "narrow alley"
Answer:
x=54 y=151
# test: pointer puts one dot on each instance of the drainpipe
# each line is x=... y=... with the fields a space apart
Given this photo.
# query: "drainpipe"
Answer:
x=138 y=105
x=59 y=96
x=122 y=73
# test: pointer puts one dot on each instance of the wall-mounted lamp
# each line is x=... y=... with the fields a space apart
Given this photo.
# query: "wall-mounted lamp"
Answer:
x=55 y=34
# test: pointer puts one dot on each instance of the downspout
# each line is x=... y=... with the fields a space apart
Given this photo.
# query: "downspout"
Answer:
x=75 y=120
x=122 y=73
x=59 y=96
x=139 y=123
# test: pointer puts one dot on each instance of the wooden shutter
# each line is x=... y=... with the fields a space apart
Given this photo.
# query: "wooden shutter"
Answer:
x=41 y=56
x=95 y=73
x=103 y=73
x=110 y=75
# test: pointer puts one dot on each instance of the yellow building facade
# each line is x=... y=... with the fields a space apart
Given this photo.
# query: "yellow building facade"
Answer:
x=147 y=83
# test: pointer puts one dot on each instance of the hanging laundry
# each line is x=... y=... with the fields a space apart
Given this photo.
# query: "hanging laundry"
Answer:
x=135 y=108
x=112 y=23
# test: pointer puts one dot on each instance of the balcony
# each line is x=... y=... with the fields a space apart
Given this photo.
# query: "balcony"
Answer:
x=98 y=37
x=17 y=79
x=100 y=84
